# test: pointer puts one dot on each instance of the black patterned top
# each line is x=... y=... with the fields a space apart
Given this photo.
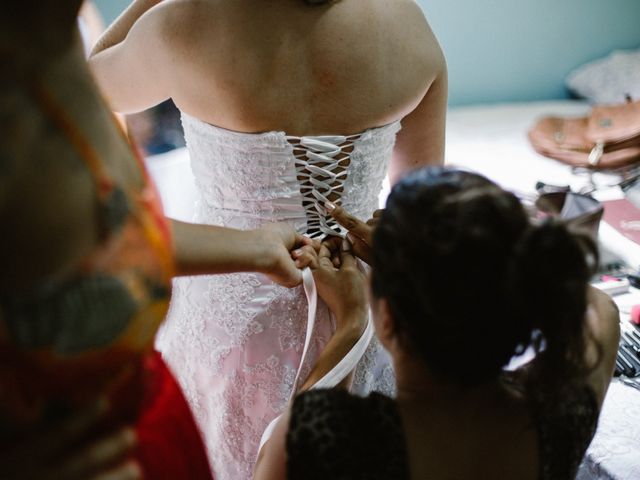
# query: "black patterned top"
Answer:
x=335 y=435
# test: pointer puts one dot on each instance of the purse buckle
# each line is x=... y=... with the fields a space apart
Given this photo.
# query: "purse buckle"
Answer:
x=596 y=154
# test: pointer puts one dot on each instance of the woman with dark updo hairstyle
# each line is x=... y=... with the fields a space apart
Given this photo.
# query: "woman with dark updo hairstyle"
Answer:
x=489 y=283
x=462 y=282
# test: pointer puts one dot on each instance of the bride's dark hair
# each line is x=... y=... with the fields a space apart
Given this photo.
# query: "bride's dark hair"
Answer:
x=470 y=281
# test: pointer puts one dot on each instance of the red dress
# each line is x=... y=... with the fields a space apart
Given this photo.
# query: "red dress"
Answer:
x=91 y=334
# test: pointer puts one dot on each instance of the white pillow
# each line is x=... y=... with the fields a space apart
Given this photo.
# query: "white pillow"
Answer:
x=609 y=79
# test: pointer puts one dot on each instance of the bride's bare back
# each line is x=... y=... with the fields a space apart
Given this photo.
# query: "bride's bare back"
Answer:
x=284 y=65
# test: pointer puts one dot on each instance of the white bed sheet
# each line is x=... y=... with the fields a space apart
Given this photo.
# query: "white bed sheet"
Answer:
x=492 y=139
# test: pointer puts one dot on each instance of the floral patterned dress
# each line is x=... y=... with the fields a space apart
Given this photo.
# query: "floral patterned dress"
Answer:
x=69 y=341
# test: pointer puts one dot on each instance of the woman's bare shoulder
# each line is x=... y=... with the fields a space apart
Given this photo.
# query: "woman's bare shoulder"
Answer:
x=414 y=25
x=604 y=325
x=177 y=22
x=405 y=31
x=603 y=337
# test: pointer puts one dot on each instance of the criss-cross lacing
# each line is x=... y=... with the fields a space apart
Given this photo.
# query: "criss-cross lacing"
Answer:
x=321 y=165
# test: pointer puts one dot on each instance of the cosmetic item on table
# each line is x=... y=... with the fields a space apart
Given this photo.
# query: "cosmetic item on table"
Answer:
x=626 y=368
x=620 y=230
x=628 y=358
x=623 y=216
x=634 y=279
x=612 y=285
x=632 y=342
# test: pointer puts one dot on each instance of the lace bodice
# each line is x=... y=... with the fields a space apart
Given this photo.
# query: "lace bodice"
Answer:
x=236 y=341
x=245 y=180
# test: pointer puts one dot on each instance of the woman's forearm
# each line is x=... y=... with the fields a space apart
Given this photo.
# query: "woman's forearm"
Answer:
x=207 y=249
x=119 y=29
x=353 y=325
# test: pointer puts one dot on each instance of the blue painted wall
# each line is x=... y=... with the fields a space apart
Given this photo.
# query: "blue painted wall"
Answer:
x=111 y=8
x=505 y=50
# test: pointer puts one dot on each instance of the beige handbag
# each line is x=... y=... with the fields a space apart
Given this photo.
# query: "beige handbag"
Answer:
x=606 y=139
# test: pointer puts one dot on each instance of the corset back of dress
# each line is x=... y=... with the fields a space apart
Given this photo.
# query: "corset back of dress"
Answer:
x=235 y=341
x=245 y=180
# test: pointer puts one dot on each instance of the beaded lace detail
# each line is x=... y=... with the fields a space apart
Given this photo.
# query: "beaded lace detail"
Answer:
x=235 y=341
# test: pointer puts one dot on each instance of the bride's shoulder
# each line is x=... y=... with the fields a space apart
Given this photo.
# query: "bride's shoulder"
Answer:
x=408 y=18
x=177 y=21
x=404 y=29
x=400 y=23
x=408 y=12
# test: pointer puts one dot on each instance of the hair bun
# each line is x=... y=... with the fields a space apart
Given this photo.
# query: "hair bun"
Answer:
x=476 y=275
x=550 y=275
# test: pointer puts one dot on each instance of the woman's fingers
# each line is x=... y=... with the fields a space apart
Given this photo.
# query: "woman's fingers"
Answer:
x=347 y=260
x=325 y=264
x=303 y=240
x=307 y=251
x=324 y=273
x=355 y=226
x=360 y=233
x=375 y=218
x=341 y=288
x=305 y=256
x=332 y=244
x=360 y=248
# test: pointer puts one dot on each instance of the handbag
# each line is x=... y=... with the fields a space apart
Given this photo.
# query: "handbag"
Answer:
x=608 y=138
x=581 y=213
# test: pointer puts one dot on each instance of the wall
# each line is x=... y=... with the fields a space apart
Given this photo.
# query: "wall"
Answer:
x=111 y=8
x=504 y=50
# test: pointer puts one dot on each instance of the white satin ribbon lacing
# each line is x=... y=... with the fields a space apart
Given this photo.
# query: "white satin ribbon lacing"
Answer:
x=321 y=165
x=340 y=370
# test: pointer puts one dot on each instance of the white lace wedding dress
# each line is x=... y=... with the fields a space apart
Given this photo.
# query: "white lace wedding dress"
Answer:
x=235 y=341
